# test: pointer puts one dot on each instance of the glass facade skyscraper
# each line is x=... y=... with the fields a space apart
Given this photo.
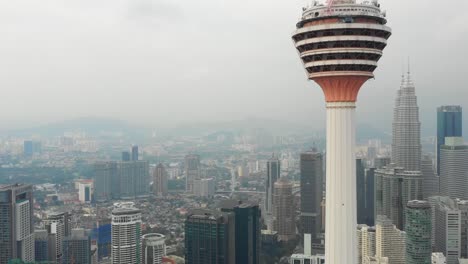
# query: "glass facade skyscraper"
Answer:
x=449 y=124
x=209 y=237
x=418 y=232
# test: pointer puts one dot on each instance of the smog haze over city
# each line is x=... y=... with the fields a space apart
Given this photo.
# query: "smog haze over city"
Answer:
x=233 y=132
x=163 y=63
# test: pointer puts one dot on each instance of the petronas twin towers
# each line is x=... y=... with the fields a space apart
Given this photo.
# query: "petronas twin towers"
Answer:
x=406 y=142
x=402 y=181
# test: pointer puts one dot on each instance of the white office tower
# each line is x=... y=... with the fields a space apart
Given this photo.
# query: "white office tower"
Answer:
x=16 y=223
x=454 y=168
x=438 y=258
x=153 y=248
x=126 y=231
x=85 y=192
x=390 y=241
x=448 y=227
x=366 y=243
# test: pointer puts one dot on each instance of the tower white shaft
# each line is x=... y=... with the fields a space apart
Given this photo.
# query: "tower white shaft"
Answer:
x=341 y=222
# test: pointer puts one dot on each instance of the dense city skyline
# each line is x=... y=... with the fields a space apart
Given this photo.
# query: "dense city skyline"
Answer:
x=75 y=52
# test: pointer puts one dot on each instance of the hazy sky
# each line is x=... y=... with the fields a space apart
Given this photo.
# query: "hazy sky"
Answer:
x=168 y=61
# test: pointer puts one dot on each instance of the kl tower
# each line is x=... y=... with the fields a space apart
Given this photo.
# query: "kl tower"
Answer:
x=339 y=44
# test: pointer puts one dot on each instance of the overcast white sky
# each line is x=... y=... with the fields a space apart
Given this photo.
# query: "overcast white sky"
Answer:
x=170 y=61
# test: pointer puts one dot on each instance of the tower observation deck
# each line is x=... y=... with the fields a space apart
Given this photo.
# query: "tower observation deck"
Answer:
x=340 y=45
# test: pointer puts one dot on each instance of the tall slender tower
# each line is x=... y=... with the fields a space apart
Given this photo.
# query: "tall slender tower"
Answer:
x=340 y=45
x=406 y=141
x=126 y=232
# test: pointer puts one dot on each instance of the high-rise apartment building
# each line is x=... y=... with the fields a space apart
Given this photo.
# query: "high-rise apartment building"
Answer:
x=449 y=124
x=134 y=179
x=126 y=234
x=430 y=180
x=153 y=248
x=134 y=153
x=418 y=232
x=85 y=191
x=77 y=247
x=340 y=45
x=454 y=168
x=205 y=187
x=284 y=210
x=121 y=180
x=58 y=226
x=160 y=180
x=394 y=188
x=390 y=241
x=273 y=174
x=105 y=181
x=209 y=237
x=406 y=137
x=311 y=166
x=247 y=230
x=192 y=171
x=366 y=242
x=16 y=223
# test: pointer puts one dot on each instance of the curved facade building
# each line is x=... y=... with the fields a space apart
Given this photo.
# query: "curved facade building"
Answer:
x=418 y=232
x=340 y=45
x=126 y=225
x=153 y=248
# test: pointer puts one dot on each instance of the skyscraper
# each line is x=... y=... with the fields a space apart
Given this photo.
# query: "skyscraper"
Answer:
x=406 y=138
x=311 y=192
x=126 y=233
x=284 y=210
x=339 y=46
x=390 y=241
x=447 y=227
x=360 y=191
x=449 y=124
x=104 y=180
x=192 y=171
x=125 y=156
x=16 y=223
x=366 y=242
x=153 y=248
x=209 y=237
x=430 y=180
x=58 y=226
x=160 y=180
x=418 y=232
x=369 y=217
x=134 y=179
x=454 y=168
x=41 y=245
x=247 y=230
x=77 y=247
x=273 y=174
x=134 y=153
x=394 y=188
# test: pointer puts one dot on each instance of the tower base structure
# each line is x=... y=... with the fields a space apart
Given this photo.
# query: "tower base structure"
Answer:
x=341 y=218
